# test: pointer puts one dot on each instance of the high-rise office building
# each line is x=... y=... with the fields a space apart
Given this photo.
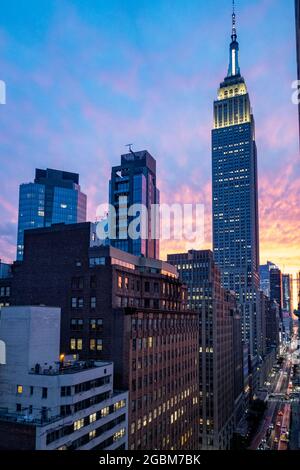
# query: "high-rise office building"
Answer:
x=134 y=183
x=235 y=192
x=220 y=347
x=264 y=271
x=54 y=197
x=287 y=293
x=276 y=293
x=272 y=326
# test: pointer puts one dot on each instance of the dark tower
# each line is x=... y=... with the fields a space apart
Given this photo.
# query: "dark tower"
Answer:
x=133 y=183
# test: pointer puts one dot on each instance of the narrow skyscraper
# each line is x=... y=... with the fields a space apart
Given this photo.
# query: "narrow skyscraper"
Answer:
x=264 y=275
x=133 y=184
x=235 y=195
x=54 y=197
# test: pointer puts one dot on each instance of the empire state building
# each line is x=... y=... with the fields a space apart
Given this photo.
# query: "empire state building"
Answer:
x=235 y=198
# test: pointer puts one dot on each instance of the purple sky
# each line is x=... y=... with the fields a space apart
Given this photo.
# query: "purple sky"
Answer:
x=84 y=78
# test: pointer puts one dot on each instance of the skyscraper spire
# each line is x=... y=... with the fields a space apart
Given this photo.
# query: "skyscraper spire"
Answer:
x=234 y=35
x=234 y=68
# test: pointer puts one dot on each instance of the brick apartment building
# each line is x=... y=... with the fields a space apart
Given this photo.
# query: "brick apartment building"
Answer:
x=121 y=308
x=220 y=347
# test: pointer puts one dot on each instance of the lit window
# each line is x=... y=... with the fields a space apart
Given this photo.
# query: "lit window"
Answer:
x=105 y=411
x=78 y=424
x=93 y=418
x=132 y=428
x=119 y=404
x=20 y=389
x=92 y=434
x=118 y=435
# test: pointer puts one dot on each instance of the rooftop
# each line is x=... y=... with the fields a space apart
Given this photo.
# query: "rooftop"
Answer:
x=67 y=367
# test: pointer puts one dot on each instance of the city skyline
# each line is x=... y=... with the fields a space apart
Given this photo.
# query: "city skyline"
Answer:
x=70 y=119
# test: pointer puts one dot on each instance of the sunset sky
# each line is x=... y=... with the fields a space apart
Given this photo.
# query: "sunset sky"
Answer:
x=86 y=77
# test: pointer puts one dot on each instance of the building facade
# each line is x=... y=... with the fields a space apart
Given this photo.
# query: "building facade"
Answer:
x=220 y=343
x=273 y=327
x=287 y=294
x=264 y=271
x=126 y=309
x=5 y=284
x=48 y=402
x=5 y=270
x=134 y=183
x=276 y=291
x=54 y=197
x=235 y=193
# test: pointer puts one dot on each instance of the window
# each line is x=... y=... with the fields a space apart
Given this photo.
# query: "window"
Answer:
x=93 y=302
x=44 y=392
x=119 y=404
x=18 y=407
x=93 y=282
x=97 y=261
x=126 y=283
x=76 y=344
x=105 y=411
x=31 y=390
x=96 y=344
x=96 y=324
x=19 y=389
x=147 y=286
x=118 y=435
x=78 y=424
x=120 y=281
x=92 y=434
x=77 y=283
x=65 y=391
x=77 y=302
x=76 y=324
x=93 y=418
